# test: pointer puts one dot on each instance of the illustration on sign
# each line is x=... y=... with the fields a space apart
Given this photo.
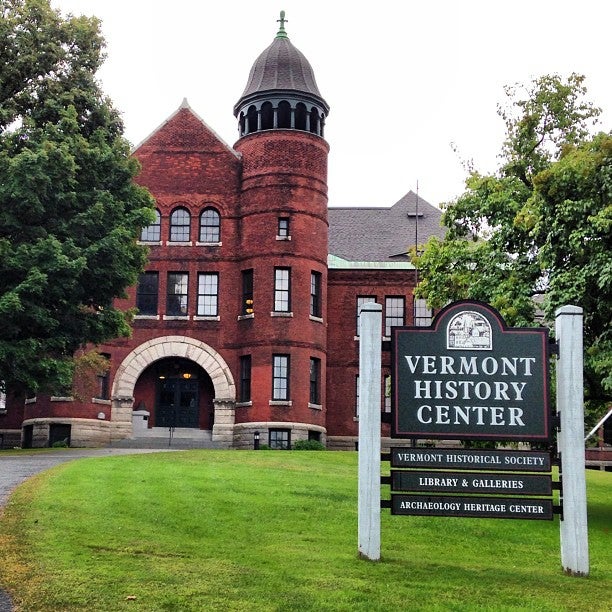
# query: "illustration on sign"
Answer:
x=469 y=330
x=469 y=376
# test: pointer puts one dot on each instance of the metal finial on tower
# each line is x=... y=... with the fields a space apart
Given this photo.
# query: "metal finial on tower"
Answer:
x=281 y=31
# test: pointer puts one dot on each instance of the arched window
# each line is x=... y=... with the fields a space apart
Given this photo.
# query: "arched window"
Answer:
x=152 y=233
x=251 y=120
x=314 y=121
x=180 y=223
x=284 y=115
x=300 y=117
x=267 y=116
x=210 y=226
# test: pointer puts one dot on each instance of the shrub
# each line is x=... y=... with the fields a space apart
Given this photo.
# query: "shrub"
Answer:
x=308 y=445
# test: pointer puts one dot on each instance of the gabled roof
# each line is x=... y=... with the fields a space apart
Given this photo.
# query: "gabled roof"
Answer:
x=382 y=234
x=185 y=129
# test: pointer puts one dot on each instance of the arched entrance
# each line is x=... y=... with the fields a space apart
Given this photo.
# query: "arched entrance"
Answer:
x=180 y=360
x=176 y=392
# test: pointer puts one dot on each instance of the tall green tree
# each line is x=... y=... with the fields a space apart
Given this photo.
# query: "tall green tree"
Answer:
x=536 y=234
x=70 y=212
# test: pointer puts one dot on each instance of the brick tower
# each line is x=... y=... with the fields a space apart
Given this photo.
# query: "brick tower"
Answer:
x=283 y=232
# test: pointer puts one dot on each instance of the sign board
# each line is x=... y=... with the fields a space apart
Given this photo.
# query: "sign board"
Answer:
x=474 y=482
x=475 y=507
x=470 y=459
x=469 y=376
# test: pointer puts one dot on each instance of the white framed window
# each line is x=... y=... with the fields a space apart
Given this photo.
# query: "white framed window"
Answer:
x=152 y=233
x=282 y=231
x=280 y=377
x=282 y=289
x=208 y=294
x=422 y=314
x=180 y=225
x=395 y=313
x=210 y=226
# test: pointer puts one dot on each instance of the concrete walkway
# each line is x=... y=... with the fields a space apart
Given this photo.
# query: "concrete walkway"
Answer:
x=15 y=468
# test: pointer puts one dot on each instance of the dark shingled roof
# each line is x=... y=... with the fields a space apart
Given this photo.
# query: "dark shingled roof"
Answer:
x=281 y=68
x=382 y=234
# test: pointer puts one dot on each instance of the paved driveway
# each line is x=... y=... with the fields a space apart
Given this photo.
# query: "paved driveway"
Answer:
x=14 y=469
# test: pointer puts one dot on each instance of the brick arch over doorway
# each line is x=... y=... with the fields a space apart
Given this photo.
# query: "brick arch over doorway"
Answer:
x=174 y=346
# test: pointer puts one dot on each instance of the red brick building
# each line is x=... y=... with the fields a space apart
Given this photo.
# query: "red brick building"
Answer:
x=247 y=311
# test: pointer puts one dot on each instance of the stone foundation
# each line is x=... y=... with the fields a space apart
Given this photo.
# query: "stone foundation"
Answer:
x=244 y=433
x=83 y=432
x=10 y=438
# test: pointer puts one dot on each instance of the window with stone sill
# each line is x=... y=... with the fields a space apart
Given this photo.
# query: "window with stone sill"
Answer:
x=180 y=225
x=210 y=226
x=315 y=381
x=208 y=294
x=315 y=295
x=280 y=377
x=103 y=378
x=247 y=309
x=282 y=289
x=152 y=233
x=282 y=230
x=147 y=293
x=245 y=379
x=177 y=294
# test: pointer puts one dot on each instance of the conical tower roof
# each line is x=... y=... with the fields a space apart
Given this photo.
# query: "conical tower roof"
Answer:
x=281 y=69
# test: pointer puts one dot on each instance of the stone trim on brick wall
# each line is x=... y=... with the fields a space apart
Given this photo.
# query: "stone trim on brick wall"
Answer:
x=173 y=346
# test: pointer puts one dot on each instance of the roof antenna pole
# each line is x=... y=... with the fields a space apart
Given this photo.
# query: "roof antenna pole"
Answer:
x=416 y=234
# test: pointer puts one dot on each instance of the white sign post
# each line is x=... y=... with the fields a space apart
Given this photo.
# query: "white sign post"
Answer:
x=570 y=394
x=370 y=336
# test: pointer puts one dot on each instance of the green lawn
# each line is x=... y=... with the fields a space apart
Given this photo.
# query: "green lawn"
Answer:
x=272 y=530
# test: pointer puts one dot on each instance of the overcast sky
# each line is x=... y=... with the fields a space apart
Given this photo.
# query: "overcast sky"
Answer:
x=413 y=86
